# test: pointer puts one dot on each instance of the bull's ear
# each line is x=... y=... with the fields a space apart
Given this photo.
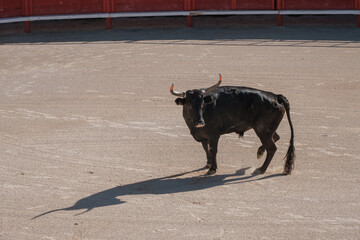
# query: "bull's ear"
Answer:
x=180 y=101
x=208 y=99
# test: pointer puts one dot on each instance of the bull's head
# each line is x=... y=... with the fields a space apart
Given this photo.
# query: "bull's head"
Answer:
x=193 y=102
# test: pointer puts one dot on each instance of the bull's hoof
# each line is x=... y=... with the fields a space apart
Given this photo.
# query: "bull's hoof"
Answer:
x=258 y=171
x=208 y=165
x=211 y=172
x=260 y=152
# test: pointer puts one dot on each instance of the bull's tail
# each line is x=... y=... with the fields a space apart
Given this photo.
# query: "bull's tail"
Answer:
x=290 y=155
x=63 y=209
x=45 y=213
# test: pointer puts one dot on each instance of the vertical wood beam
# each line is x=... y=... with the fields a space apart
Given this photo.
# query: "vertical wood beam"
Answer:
x=188 y=6
x=108 y=6
x=27 y=11
x=233 y=5
x=357 y=7
x=279 y=6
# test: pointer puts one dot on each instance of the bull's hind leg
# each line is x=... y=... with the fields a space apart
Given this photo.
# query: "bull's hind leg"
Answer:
x=261 y=149
x=270 y=148
x=266 y=131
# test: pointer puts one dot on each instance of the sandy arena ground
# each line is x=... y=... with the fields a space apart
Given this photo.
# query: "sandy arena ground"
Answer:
x=92 y=145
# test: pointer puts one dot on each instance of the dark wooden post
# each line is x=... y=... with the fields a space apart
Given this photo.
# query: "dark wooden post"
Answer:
x=280 y=4
x=357 y=7
x=188 y=6
x=27 y=11
x=108 y=7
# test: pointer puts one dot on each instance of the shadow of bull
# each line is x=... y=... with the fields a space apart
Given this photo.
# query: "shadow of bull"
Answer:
x=163 y=185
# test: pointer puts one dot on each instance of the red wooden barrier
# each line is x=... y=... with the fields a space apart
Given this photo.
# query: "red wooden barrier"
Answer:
x=28 y=8
x=316 y=5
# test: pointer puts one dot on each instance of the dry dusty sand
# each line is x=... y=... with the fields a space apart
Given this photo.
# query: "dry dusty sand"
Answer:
x=90 y=135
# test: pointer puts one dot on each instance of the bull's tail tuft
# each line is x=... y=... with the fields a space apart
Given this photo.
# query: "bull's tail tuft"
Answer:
x=290 y=155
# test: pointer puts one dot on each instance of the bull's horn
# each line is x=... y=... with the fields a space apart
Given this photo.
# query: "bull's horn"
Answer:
x=212 y=88
x=179 y=94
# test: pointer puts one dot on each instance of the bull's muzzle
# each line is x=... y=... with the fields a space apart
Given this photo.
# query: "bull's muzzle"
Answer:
x=200 y=124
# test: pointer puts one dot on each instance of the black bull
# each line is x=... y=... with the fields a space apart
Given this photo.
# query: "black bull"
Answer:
x=212 y=112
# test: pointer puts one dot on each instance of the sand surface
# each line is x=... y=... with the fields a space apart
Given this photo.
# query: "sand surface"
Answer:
x=92 y=145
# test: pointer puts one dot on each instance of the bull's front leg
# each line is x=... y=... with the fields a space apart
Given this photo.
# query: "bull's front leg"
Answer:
x=206 y=148
x=213 y=144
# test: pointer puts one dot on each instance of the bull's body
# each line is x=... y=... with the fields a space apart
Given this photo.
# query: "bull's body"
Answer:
x=234 y=109
x=210 y=114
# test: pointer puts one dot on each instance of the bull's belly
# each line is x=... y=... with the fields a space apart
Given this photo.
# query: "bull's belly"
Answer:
x=203 y=134
x=238 y=128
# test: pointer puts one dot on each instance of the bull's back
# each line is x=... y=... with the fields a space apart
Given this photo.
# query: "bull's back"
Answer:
x=242 y=100
x=238 y=108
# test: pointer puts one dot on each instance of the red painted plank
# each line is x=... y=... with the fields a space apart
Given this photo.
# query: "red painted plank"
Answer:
x=148 y=5
x=319 y=5
x=255 y=4
x=52 y=7
x=234 y=4
x=11 y=8
x=212 y=4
